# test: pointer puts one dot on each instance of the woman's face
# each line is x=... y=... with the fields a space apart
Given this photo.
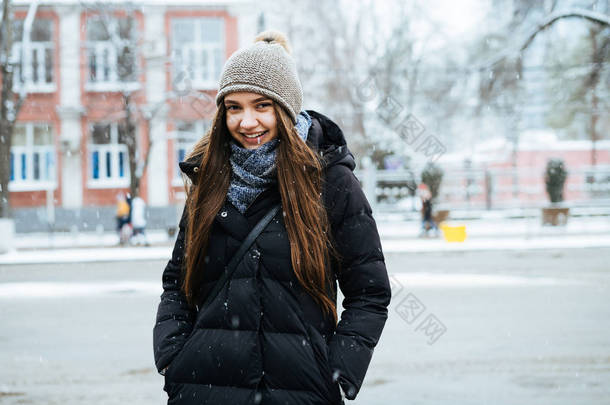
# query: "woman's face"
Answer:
x=250 y=118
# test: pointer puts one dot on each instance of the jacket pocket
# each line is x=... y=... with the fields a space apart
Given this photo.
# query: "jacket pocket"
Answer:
x=175 y=362
x=320 y=350
x=173 y=391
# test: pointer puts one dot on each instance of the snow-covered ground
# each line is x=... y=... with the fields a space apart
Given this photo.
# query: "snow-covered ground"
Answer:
x=81 y=239
x=397 y=236
x=67 y=289
x=490 y=327
x=85 y=255
x=491 y=233
x=503 y=227
x=412 y=245
x=486 y=224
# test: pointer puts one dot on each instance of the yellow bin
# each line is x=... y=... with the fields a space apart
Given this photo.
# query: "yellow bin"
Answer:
x=453 y=233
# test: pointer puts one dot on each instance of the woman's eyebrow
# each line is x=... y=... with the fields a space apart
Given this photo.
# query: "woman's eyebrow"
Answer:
x=256 y=100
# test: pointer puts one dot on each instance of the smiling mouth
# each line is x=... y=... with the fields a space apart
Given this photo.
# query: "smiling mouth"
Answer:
x=255 y=135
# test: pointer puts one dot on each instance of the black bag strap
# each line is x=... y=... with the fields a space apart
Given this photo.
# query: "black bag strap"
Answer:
x=230 y=268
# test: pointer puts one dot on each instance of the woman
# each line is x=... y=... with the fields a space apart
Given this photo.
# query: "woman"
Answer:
x=138 y=220
x=427 y=221
x=269 y=335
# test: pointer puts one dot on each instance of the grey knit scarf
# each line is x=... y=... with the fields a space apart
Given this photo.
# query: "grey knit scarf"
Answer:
x=254 y=170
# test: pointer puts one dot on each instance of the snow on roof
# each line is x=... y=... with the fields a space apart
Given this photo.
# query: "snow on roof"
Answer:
x=547 y=140
x=498 y=149
x=537 y=138
x=491 y=150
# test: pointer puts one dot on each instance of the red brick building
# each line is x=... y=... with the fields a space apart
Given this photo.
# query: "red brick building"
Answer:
x=67 y=153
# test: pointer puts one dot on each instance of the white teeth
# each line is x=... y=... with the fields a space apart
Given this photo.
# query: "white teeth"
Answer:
x=255 y=135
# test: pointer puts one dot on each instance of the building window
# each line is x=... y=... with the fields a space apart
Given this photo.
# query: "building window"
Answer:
x=34 y=60
x=108 y=157
x=185 y=136
x=111 y=59
x=198 y=50
x=32 y=157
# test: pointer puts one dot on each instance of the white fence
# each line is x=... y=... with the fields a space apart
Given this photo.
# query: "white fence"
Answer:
x=393 y=190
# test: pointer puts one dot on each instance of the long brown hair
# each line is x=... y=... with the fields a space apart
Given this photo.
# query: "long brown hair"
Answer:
x=300 y=180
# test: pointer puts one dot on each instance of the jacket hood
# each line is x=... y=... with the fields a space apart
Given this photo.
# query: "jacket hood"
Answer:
x=324 y=135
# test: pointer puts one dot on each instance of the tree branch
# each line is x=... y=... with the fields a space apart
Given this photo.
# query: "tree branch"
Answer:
x=592 y=16
x=552 y=18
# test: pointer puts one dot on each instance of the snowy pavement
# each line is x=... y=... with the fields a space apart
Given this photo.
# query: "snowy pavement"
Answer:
x=71 y=289
x=413 y=245
x=81 y=239
x=505 y=227
x=479 y=327
x=85 y=255
x=397 y=236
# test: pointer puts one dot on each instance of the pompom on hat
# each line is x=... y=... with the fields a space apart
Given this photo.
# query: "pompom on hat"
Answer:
x=266 y=67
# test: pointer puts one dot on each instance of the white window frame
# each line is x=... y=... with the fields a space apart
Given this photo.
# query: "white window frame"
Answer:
x=39 y=49
x=97 y=49
x=115 y=149
x=200 y=127
x=46 y=182
x=195 y=71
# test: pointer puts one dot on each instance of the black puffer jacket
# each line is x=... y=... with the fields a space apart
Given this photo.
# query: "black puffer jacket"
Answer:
x=263 y=340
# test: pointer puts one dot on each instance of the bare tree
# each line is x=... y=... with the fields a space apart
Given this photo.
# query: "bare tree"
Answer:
x=324 y=45
x=600 y=54
x=120 y=30
x=119 y=24
x=348 y=49
x=500 y=78
x=10 y=101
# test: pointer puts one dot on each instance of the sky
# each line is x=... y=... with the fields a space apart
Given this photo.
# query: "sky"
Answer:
x=459 y=18
x=438 y=22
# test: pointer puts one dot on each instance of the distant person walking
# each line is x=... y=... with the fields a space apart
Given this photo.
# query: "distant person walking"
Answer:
x=122 y=218
x=427 y=222
x=138 y=221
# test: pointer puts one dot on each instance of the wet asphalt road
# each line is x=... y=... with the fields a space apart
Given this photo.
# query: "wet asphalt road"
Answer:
x=529 y=327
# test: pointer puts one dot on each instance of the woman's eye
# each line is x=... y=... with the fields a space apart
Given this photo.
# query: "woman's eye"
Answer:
x=264 y=105
x=231 y=107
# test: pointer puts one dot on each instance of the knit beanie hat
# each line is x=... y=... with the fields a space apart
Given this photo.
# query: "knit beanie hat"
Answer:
x=265 y=67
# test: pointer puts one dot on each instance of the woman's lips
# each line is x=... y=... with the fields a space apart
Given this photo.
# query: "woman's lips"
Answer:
x=255 y=140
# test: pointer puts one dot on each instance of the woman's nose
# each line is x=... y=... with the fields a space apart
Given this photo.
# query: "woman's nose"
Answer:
x=248 y=120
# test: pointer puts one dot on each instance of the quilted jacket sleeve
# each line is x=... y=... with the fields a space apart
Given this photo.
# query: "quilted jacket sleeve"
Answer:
x=174 y=321
x=363 y=280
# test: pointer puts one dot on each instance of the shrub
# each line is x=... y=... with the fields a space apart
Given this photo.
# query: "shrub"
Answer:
x=432 y=176
x=555 y=178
